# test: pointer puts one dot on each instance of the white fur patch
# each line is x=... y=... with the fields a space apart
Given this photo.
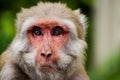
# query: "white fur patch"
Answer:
x=29 y=58
x=70 y=25
x=83 y=21
x=28 y=22
x=64 y=61
x=19 y=44
x=7 y=72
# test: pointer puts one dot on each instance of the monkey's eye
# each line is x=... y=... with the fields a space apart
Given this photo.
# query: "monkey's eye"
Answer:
x=37 y=31
x=57 y=31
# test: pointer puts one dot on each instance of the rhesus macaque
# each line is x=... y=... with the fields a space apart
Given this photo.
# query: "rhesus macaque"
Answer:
x=49 y=45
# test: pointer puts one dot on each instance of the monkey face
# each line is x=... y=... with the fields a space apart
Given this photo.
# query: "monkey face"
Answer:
x=47 y=37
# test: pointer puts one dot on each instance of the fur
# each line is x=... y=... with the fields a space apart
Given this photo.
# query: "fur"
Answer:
x=18 y=60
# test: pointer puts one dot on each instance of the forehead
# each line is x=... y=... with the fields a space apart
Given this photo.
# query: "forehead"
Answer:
x=50 y=24
x=47 y=22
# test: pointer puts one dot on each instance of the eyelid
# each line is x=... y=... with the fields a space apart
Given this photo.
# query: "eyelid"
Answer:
x=58 y=27
x=37 y=28
x=56 y=31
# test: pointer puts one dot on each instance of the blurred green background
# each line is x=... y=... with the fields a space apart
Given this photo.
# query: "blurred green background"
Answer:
x=110 y=68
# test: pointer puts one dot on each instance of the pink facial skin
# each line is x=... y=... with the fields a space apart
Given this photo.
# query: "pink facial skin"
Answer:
x=47 y=37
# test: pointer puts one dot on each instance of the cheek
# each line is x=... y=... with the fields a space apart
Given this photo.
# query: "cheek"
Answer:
x=35 y=41
x=65 y=59
x=60 y=41
x=29 y=58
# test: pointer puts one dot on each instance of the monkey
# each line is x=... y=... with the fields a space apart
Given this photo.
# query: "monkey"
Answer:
x=49 y=45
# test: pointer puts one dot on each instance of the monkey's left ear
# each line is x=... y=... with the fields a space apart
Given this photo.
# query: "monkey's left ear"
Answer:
x=82 y=19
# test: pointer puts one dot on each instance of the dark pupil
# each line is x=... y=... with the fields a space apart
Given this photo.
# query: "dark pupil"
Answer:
x=57 y=31
x=37 y=31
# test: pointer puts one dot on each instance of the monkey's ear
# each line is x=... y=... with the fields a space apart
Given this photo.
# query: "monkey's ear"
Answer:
x=82 y=19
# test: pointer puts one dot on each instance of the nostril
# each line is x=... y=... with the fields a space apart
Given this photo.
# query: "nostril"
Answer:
x=46 y=55
x=43 y=55
x=49 y=55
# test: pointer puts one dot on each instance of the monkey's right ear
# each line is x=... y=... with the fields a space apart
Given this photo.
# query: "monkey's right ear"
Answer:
x=82 y=20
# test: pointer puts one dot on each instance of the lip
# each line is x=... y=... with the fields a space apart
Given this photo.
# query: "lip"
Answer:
x=47 y=68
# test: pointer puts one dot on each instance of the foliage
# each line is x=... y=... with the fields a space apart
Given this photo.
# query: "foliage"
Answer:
x=110 y=70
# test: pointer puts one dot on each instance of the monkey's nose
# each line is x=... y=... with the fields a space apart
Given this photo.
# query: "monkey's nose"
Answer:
x=46 y=55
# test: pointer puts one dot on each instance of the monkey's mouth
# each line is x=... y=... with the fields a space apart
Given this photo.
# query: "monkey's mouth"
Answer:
x=47 y=69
